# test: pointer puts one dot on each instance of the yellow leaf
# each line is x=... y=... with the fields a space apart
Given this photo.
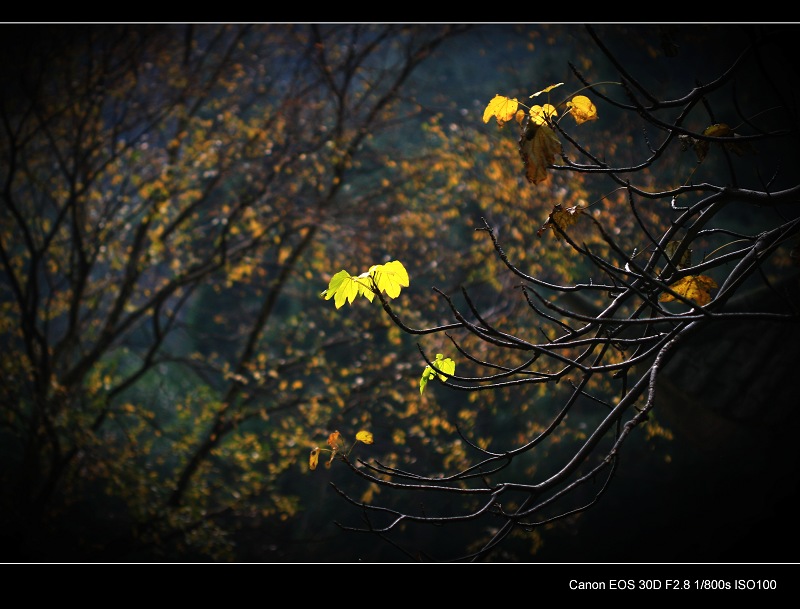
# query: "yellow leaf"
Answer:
x=538 y=147
x=440 y=365
x=313 y=460
x=502 y=108
x=540 y=113
x=342 y=287
x=547 y=89
x=390 y=277
x=582 y=109
x=562 y=218
x=694 y=287
x=364 y=436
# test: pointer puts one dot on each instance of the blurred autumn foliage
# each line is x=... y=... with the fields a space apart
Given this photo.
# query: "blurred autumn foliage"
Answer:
x=169 y=193
x=174 y=198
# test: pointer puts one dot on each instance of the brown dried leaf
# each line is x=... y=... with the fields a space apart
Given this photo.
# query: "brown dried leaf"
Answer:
x=562 y=218
x=538 y=147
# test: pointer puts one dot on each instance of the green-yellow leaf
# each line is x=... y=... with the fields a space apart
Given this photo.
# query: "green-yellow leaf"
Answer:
x=442 y=367
x=348 y=290
x=694 y=287
x=502 y=108
x=390 y=277
x=334 y=284
x=427 y=375
x=344 y=287
x=365 y=285
x=538 y=147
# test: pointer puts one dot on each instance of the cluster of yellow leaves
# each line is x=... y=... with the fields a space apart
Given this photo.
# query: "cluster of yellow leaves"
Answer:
x=504 y=109
x=337 y=447
x=344 y=287
x=541 y=114
x=538 y=143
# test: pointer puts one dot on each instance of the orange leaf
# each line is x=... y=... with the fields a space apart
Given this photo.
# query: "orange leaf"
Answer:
x=335 y=441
